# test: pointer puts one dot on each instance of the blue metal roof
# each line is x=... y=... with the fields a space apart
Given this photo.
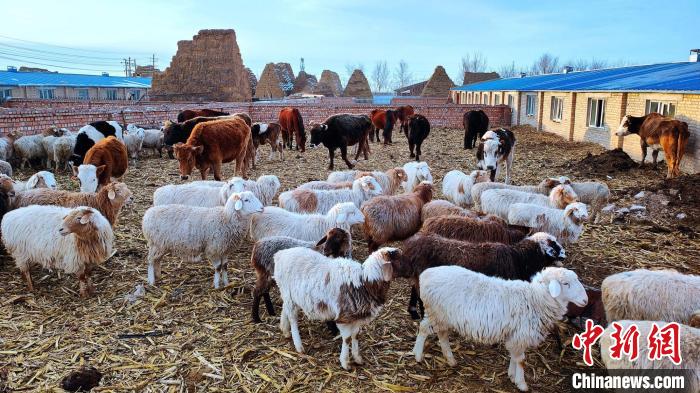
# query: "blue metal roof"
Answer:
x=10 y=78
x=671 y=77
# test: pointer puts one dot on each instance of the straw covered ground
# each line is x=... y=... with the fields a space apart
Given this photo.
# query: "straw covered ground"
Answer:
x=190 y=337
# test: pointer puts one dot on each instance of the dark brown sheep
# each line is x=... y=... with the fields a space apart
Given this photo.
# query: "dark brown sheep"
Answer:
x=473 y=230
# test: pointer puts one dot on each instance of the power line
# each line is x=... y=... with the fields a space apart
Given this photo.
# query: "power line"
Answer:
x=57 y=53
x=54 y=65
x=64 y=47
x=106 y=64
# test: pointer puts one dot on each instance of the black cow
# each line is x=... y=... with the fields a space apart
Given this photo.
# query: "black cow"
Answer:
x=341 y=131
x=179 y=132
x=418 y=130
x=90 y=134
x=475 y=125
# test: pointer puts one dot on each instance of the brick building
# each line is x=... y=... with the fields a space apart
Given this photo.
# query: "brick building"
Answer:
x=589 y=105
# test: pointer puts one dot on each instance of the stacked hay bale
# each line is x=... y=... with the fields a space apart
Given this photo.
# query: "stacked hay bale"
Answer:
x=276 y=81
x=438 y=85
x=358 y=86
x=329 y=85
x=304 y=83
x=252 y=80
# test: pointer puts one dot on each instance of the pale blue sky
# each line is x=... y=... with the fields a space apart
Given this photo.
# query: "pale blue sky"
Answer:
x=331 y=34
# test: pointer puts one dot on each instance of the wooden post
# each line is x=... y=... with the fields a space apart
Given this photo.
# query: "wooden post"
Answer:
x=572 y=116
x=541 y=111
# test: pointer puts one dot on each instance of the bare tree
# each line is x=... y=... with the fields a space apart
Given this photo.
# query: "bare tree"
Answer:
x=471 y=62
x=545 y=64
x=580 y=64
x=402 y=77
x=597 y=64
x=380 y=76
x=508 y=71
x=350 y=68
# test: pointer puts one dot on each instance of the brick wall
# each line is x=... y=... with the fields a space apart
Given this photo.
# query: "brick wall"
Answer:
x=33 y=120
x=560 y=127
x=418 y=100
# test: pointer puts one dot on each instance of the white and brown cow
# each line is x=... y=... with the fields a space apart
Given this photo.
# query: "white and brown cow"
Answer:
x=496 y=147
x=267 y=133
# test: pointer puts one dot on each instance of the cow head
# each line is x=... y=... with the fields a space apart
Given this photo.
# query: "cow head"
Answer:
x=624 y=128
x=488 y=154
x=318 y=134
x=187 y=158
x=170 y=131
x=88 y=176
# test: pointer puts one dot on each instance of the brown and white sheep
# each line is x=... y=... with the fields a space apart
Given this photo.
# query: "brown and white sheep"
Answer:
x=390 y=180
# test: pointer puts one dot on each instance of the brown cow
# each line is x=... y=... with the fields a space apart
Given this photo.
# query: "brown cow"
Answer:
x=188 y=114
x=269 y=133
x=107 y=159
x=213 y=143
x=382 y=120
x=292 y=126
x=658 y=132
x=403 y=113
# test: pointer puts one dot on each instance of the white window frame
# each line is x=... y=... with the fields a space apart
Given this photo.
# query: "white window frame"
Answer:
x=530 y=104
x=111 y=94
x=596 y=109
x=79 y=94
x=47 y=93
x=556 y=109
x=666 y=108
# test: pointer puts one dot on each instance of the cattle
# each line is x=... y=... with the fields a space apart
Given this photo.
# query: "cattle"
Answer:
x=92 y=133
x=174 y=133
x=340 y=131
x=188 y=114
x=107 y=159
x=382 y=120
x=475 y=125
x=496 y=148
x=268 y=133
x=213 y=143
x=403 y=113
x=292 y=127
x=418 y=130
x=658 y=132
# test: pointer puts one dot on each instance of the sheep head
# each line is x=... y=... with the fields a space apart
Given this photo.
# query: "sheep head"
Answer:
x=336 y=243
x=77 y=221
x=563 y=285
x=576 y=212
x=562 y=195
x=118 y=194
x=549 y=246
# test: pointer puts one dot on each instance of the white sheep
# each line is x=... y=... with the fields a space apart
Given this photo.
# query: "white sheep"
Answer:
x=153 y=139
x=134 y=142
x=689 y=349
x=544 y=188
x=265 y=187
x=192 y=232
x=275 y=221
x=498 y=201
x=41 y=179
x=29 y=148
x=193 y=195
x=73 y=240
x=565 y=224
x=342 y=290
x=389 y=180
x=320 y=201
x=490 y=310
x=665 y=295
x=593 y=193
x=7 y=143
x=456 y=185
x=416 y=172
x=63 y=150
x=5 y=168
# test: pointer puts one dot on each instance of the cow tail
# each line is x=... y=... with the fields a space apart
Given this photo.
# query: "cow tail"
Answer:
x=680 y=149
x=299 y=120
x=388 y=123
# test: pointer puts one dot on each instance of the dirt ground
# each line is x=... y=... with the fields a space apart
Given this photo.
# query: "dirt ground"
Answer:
x=202 y=339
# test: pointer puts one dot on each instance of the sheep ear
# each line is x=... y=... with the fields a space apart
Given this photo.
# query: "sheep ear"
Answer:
x=554 y=288
x=387 y=271
x=341 y=217
x=111 y=194
x=320 y=242
x=85 y=218
x=31 y=183
x=238 y=205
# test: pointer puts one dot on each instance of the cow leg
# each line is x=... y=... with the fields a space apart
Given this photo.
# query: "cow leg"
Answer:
x=418 y=151
x=410 y=147
x=466 y=140
x=655 y=158
x=644 y=152
x=344 y=154
x=331 y=155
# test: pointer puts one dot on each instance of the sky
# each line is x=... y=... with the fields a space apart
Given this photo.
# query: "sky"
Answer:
x=94 y=35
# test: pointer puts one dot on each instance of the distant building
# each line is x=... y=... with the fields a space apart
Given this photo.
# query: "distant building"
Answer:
x=146 y=71
x=411 y=90
x=53 y=85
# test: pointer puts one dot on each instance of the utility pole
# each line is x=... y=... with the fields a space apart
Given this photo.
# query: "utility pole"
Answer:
x=301 y=66
x=153 y=61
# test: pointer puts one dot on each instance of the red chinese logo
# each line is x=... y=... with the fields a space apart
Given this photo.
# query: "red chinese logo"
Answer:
x=587 y=339
x=665 y=342
x=625 y=343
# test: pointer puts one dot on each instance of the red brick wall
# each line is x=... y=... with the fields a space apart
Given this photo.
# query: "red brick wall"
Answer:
x=33 y=120
x=396 y=101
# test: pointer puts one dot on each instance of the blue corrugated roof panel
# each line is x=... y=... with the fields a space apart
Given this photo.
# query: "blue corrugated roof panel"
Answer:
x=9 y=78
x=680 y=77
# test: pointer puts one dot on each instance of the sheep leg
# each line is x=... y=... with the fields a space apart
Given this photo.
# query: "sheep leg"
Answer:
x=262 y=289
x=27 y=277
x=346 y=333
x=356 y=346
x=284 y=322
x=412 y=303
x=509 y=165
x=423 y=333
x=444 y=340
x=154 y=271
x=85 y=283
x=291 y=312
x=268 y=303
x=516 y=372
x=224 y=271
x=218 y=267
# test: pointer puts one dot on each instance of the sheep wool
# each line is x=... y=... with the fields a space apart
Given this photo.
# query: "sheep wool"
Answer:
x=320 y=201
x=456 y=186
x=416 y=172
x=566 y=224
x=498 y=201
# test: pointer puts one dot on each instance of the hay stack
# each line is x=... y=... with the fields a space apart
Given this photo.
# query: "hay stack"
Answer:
x=304 y=83
x=474 y=77
x=276 y=81
x=252 y=80
x=439 y=84
x=358 y=86
x=329 y=85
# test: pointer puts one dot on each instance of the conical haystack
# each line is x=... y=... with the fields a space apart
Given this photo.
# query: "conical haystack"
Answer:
x=358 y=86
x=252 y=80
x=304 y=83
x=329 y=85
x=276 y=81
x=438 y=85
x=207 y=68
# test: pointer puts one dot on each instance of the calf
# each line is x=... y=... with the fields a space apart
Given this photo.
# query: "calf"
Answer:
x=106 y=160
x=382 y=120
x=269 y=133
x=341 y=131
x=418 y=130
x=292 y=126
x=188 y=114
x=92 y=133
x=213 y=143
x=496 y=148
x=475 y=124
x=174 y=133
x=658 y=132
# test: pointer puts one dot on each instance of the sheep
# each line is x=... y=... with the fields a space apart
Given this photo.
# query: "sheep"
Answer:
x=517 y=313
x=594 y=193
x=473 y=230
x=498 y=202
x=440 y=207
x=456 y=186
x=153 y=139
x=7 y=143
x=325 y=185
x=592 y=310
x=689 y=348
x=134 y=142
x=342 y=290
x=192 y=195
x=41 y=179
x=5 y=168
x=519 y=261
x=389 y=180
x=7 y=194
x=48 y=143
x=193 y=231
x=335 y=243
x=416 y=172
x=320 y=201
x=651 y=295
x=275 y=221
x=394 y=217
x=63 y=150
x=544 y=188
x=566 y=224
x=265 y=187
x=109 y=201
x=73 y=240
x=31 y=147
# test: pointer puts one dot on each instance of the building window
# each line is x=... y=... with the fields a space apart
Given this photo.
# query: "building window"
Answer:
x=5 y=94
x=470 y=98
x=596 y=112
x=556 y=109
x=46 y=94
x=111 y=94
x=83 y=94
x=485 y=99
x=497 y=99
x=135 y=94
x=663 y=107
x=510 y=101
x=530 y=105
